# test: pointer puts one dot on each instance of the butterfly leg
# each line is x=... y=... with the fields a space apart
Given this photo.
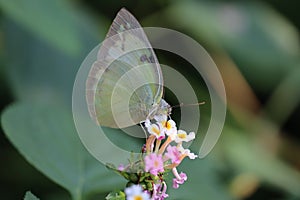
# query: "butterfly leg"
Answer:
x=141 y=124
x=146 y=135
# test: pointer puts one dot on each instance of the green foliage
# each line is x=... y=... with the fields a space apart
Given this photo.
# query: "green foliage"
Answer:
x=59 y=30
x=257 y=37
x=30 y=196
x=45 y=136
x=116 y=196
x=44 y=42
x=43 y=72
x=247 y=157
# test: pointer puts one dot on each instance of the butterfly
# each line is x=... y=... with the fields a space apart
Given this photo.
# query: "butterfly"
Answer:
x=125 y=84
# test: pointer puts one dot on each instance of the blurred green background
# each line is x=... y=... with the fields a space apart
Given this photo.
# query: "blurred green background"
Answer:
x=255 y=45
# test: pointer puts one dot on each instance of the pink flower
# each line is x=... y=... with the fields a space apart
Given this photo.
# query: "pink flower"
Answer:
x=159 y=191
x=179 y=180
x=154 y=163
x=121 y=167
x=174 y=154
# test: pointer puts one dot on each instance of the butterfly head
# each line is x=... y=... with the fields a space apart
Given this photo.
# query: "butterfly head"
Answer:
x=164 y=108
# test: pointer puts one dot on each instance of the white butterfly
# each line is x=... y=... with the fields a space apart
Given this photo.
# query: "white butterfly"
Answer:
x=125 y=84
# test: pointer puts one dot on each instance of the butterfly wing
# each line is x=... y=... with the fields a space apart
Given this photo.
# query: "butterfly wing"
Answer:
x=126 y=80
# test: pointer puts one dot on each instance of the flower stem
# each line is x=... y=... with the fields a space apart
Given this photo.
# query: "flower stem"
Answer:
x=157 y=144
x=175 y=172
x=164 y=146
x=173 y=165
x=149 y=143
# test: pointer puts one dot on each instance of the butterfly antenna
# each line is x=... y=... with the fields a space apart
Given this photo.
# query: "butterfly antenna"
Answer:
x=192 y=104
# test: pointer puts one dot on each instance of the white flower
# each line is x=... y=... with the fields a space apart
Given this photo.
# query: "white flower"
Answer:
x=157 y=131
x=182 y=136
x=135 y=192
x=170 y=129
x=187 y=152
x=191 y=155
x=167 y=126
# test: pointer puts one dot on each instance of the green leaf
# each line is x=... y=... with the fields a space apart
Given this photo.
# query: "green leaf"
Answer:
x=116 y=196
x=46 y=137
x=37 y=67
x=54 y=21
x=35 y=70
x=36 y=74
x=30 y=196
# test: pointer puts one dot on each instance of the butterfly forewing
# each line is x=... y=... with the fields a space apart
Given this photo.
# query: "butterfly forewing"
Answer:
x=125 y=60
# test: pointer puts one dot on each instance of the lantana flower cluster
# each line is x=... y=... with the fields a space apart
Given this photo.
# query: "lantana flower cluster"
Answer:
x=163 y=152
